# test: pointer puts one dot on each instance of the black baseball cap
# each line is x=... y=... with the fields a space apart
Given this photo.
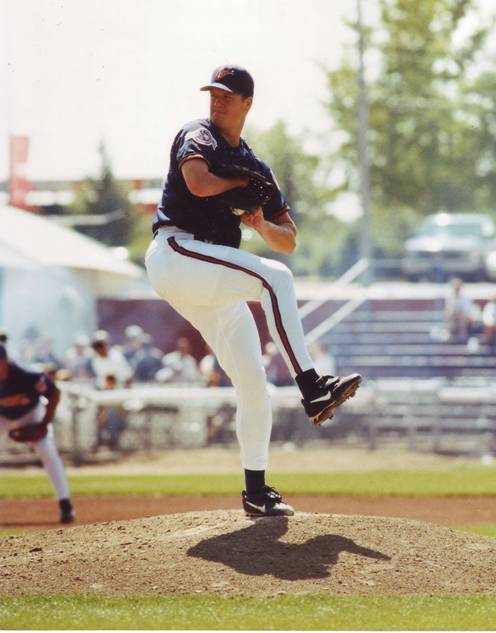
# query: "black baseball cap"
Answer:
x=232 y=79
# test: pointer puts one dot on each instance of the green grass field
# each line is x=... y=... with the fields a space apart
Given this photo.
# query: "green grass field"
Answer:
x=285 y=612
x=467 y=481
x=302 y=612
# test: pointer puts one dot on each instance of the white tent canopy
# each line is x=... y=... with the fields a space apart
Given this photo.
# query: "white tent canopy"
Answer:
x=51 y=277
x=46 y=243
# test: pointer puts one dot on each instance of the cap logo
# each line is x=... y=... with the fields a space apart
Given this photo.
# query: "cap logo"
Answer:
x=224 y=72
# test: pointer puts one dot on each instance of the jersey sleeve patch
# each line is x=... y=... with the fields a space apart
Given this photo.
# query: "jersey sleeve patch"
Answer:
x=202 y=136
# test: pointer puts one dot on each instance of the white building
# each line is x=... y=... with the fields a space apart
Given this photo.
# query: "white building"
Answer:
x=51 y=277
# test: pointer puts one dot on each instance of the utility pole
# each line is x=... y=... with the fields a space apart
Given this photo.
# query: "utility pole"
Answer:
x=363 y=158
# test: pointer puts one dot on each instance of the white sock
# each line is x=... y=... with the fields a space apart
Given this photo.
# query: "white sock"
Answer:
x=49 y=455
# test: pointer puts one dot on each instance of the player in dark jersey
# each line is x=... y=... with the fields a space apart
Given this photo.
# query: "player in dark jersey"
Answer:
x=194 y=262
x=204 y=216
x=28 y=397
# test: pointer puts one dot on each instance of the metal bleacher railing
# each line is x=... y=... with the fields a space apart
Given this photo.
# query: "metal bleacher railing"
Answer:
x=436 y=415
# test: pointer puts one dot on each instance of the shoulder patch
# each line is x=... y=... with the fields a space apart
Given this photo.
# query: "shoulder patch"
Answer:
x=201 y=136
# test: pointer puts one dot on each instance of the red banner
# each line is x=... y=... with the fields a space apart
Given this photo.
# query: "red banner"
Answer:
x=19 y=185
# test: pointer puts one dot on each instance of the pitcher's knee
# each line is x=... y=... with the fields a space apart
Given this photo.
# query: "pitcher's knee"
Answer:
x=253 y=381
x=279 y=275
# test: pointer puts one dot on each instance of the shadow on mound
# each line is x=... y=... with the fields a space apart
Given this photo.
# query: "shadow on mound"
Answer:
x=256 y=551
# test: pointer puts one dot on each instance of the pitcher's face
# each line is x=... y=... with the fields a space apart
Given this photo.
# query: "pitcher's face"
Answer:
x=228 y=109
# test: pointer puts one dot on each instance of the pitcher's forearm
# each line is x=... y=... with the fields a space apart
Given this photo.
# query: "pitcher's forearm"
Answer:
x=279 y=237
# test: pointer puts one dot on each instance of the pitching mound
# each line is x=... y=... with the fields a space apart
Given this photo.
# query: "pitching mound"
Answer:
x=224 y=552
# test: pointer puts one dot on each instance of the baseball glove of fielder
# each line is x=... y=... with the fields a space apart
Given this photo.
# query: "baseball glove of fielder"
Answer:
x=241 y=199
x=29 y=433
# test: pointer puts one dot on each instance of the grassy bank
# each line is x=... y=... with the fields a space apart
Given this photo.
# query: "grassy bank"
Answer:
x=466 y=481
x=303 y=612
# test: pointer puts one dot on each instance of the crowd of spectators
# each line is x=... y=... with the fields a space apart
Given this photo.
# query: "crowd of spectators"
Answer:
x=96 y=361
x=466 y=321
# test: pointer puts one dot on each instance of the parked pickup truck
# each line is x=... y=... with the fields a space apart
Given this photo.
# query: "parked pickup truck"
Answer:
x=449 y=244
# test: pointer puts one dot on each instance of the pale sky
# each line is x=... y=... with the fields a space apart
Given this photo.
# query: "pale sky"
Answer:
x=129 y=71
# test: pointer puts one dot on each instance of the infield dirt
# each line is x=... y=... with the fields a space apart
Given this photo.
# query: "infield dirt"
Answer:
x=224 y=552
x=42 y=513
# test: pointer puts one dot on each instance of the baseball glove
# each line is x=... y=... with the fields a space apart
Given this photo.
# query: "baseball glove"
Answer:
x=29 y=433
x=241 y=199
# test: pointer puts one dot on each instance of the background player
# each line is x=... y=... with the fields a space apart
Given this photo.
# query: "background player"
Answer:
x=28 y=398
x=194 y=262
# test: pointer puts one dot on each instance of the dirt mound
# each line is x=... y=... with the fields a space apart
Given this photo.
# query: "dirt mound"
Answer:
x=224 y=552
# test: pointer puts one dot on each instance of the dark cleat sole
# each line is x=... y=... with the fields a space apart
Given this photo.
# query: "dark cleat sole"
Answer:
x=328 y=412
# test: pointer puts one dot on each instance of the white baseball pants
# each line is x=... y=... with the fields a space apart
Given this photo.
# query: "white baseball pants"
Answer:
x=44 y=448
x=209 y=286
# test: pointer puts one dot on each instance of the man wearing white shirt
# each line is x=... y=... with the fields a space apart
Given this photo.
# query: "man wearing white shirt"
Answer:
x=109 y=361
x=489 y=322
x=458 y=311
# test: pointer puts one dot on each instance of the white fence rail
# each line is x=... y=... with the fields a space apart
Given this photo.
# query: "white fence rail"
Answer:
x=432 y=415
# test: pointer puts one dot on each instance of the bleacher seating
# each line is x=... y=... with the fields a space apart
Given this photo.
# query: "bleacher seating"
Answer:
x=419 y=388
x=387 y=338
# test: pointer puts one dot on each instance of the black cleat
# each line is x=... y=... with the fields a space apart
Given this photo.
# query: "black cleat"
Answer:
x=334 y=390
x=67 y=514
x=267 y=503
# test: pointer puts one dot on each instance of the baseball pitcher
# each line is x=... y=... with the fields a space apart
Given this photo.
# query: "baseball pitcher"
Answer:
x=216 y=183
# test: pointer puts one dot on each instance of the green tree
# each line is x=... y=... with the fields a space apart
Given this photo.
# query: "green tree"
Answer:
x=480 y=99
x=140 y=236
x=106 y=199
x=321 y=236
x=424 y=154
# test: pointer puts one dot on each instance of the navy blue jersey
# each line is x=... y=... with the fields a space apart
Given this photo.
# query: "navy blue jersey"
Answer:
x=207 y=218
x=20 y=393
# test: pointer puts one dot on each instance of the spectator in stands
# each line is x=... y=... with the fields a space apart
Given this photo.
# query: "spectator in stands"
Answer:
x=77 y=359
x=458 y=311
x=221 y=424
x=212 y=373
x=147 y=360
x=220 y=419
x=45 y=354
x=489 y=322
x=108 y=361
x=179 y=366
x=111 y=419
x=275 y=367
x=134 y=342
x=28 y=345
